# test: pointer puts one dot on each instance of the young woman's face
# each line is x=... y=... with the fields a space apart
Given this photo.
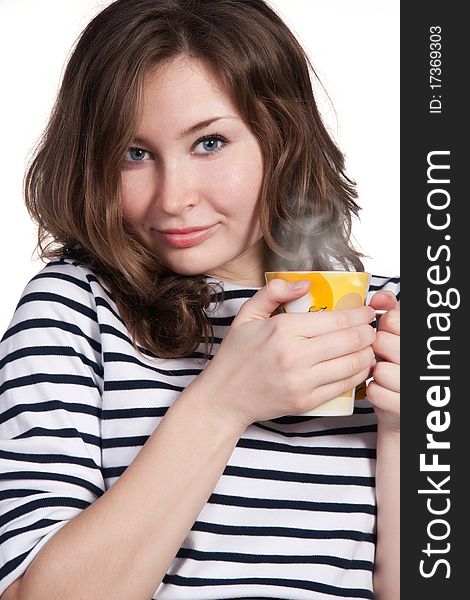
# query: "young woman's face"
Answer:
x=195 y=165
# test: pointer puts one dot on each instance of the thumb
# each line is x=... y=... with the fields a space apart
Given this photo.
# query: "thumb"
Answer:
x=269 y=297
x=384 y=300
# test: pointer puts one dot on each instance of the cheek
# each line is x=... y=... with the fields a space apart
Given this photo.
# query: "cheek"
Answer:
x=133 y=195
x=238 y=183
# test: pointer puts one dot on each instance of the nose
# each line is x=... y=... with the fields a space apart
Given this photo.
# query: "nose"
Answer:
x=177 y=189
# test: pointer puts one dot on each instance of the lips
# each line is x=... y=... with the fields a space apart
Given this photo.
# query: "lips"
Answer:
x=186 y=237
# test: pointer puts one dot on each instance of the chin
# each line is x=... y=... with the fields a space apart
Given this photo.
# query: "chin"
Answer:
x=187 y=270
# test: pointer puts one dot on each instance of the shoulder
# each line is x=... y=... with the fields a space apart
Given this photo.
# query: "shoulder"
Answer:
x=53 y=343
x=63 y=297
x=67 y=276
x=63 y=285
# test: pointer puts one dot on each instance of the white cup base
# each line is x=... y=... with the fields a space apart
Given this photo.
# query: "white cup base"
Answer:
x=342 y=406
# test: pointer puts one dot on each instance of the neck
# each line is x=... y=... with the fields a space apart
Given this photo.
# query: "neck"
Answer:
x=247 y=270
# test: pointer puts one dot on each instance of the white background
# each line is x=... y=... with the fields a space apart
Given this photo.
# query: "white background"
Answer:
x=353 y=45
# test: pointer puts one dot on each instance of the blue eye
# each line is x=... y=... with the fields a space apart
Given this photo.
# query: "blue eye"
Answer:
x=134 y=155
x=211 y=144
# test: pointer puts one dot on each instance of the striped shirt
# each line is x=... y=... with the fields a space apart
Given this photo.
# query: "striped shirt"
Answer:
x=293 y=515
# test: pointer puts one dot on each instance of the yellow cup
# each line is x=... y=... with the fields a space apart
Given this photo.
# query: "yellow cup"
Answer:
x=329 y=290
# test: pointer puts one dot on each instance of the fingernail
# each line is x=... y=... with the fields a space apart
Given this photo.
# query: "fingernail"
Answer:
x=299 y=285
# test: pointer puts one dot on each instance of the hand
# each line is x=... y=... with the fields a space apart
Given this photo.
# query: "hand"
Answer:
x=270 y=366
x=384 y=389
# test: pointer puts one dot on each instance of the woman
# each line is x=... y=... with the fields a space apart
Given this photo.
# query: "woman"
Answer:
x=149 y=444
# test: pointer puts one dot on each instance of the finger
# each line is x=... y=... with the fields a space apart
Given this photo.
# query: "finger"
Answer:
x=266 y=300
x=323 y=393
x=383 y=300
x=387 y=346
x=390 y=321
x=371 y=370
x=339 y=343
x=383 y=398
x=312 y=324
x=387 y=375
x=343 y=367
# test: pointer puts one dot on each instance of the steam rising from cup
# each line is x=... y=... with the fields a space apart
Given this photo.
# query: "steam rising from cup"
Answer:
x=307 y=243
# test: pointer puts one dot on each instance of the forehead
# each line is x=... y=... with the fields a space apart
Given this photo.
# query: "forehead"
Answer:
x=185 y=83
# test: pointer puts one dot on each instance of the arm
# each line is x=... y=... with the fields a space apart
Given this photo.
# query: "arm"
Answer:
x=384 y=393
x=111 y=549
x=71 y=538
x=387 y=557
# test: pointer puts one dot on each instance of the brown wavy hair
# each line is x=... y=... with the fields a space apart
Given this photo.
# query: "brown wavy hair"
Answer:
x=72 y=185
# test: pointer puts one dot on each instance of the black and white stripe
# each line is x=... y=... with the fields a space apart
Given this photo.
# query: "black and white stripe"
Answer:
x=293 y=515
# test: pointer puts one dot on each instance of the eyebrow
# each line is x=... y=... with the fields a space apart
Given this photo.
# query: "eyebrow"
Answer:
x=201 y=125
x=190 y=130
